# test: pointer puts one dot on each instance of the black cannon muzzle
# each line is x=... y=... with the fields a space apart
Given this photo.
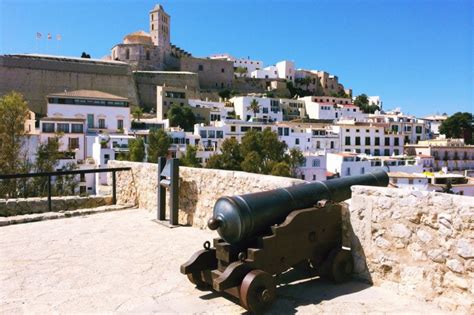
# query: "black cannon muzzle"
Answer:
x=240 y=218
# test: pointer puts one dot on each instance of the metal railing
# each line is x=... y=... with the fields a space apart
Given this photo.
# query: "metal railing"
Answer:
x=49 y=175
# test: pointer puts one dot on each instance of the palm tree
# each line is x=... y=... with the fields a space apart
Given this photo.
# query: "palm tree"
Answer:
x=254 y=107
x=137 y=113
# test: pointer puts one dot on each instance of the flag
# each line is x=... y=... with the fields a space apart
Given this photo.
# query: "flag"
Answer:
x=38 y=35
x=58 y=37
x=49 y=36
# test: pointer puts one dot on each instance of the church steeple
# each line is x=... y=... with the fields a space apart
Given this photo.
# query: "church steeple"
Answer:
x=160 y=27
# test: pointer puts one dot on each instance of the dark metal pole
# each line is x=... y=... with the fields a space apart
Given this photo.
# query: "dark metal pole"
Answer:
x=161 y=191
x=174 y=192
x=50 y=207
x=114 y=189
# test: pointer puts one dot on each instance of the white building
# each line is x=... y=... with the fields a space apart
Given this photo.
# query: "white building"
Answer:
x=246 y=63
x=269 y=108
x=375 y=100
x=270 y=72
x=286 y=70
x=218 y=110
x=432 y=182
x=435 y=122
x=369 y=138
x=313 y=168
x=349 y=164
x=332 y=108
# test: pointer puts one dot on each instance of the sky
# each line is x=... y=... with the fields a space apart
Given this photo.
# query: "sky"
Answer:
x=416 y=55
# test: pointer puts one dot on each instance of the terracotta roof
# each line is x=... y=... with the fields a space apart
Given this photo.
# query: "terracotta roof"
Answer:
x=92 y=94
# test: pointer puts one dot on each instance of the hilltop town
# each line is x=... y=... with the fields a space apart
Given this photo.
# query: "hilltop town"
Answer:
x=148 y=88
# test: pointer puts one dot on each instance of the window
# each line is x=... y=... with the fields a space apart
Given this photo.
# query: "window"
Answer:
x=280 y=131
x=222 y=70
x=410 y=181
x=314 y=177
x=127 y=53
x=101 y=123
x=357 y=140
x=232 y=128
x=211 y=134
x=376 y=152
x=203 y=133
x=286 y=131
x=219 y=134
x=377 y=141
x=318 y=144
x=265 y=110
x=332 y=144
x=200 y=68
x=48 y=127
x=73 y=143
x=61 y=127
x=362 y=170
x=348 y=141
x=147 y=55
x=397 y=141
x=386 y=152
x=367 y=151
x=348 y=171
x=387 y=141
x=419 y=129
x=316 y=163
x=297 y=141
x=120 y=124
x=90 y=120
x=77 y=128
x=367 y=140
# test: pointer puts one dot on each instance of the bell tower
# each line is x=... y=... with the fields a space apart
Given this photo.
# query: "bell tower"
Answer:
x=160 y=27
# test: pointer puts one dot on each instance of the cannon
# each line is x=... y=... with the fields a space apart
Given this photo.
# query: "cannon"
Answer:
x=264 y=234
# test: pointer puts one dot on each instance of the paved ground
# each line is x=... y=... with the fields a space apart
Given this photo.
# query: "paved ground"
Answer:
x=124 y=262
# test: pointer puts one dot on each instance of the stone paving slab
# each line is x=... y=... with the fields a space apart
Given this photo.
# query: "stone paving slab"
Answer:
x=123 y=262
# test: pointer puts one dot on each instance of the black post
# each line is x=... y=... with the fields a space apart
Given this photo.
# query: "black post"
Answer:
x=114 y=189
x=174 y=192
x=161 y=191
x=50 y=207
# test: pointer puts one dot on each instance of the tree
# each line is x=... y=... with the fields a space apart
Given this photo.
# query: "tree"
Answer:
x=225 y=94
x=47 y=159
x=458 y=125
x=182 y=116
x=295 y=160
x=13 y=114
x=252 y=163
x=190 y=159
x=137 y=149
x=281 y=169
x=66 y=184
x=254 y=107
x=241 y=71
x=158 y=144
x=137 y=113
x=230 y=157
x=362 y=101
x=85 y=55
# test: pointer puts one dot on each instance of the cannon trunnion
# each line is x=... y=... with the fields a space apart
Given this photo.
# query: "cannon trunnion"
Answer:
x=311 y=239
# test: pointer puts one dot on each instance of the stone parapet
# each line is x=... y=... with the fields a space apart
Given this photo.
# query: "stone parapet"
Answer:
x=199 y=188
x=416 y=243
x=20 y=206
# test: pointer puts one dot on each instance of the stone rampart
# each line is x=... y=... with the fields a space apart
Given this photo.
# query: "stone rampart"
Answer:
x=36 y=76
x=13 y=207
x=416 y=243
x=199 y=188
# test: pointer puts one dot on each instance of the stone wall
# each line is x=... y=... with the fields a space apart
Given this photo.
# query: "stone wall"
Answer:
x=416 y=243
x=215 y=74
x=12 y=207
x=37 y=76
x=199 y=188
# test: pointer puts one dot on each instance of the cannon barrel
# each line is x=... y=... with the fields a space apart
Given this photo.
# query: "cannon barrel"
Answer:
x=240 y=218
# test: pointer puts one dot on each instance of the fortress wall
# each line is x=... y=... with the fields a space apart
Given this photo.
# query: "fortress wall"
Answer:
x=416 y=243
x=215 y=74
x=35 y=77
x=146 y=83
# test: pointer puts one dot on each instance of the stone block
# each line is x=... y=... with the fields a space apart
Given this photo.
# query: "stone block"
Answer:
x=399 y=230
x=455 y=265
x=465 y=248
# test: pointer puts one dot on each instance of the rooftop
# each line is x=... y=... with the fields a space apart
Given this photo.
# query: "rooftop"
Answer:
x=90 y=94
x=68 y=58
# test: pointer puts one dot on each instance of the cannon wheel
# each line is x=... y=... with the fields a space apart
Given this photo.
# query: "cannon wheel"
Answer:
x=338 y=265
x=257 y=291
x=196 y=279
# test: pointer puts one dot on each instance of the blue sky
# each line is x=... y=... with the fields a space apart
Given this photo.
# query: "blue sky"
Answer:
x=417 y=55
